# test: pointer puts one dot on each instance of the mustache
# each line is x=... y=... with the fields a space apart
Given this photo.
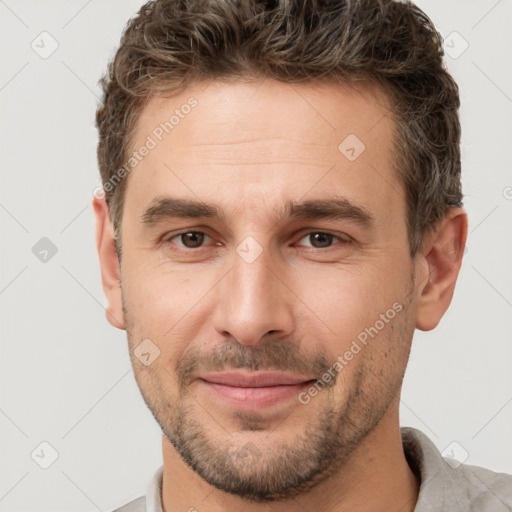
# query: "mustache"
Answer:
x=274 y=355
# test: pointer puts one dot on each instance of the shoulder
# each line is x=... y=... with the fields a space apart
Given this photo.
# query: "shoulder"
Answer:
x=447 y=484
x=137 y=505
x=487 y=490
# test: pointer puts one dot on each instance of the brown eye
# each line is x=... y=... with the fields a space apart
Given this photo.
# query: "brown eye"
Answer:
x=321 y=239
x=190 y=239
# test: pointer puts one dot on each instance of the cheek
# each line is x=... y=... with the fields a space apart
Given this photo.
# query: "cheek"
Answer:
x=348 y=300
x=167 y=307
x=367 y=336
x=160 y=295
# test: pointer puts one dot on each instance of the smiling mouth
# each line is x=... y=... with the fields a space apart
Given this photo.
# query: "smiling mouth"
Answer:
x=254 y=390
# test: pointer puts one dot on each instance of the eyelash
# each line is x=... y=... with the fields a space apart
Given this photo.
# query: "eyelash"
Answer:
x=305 y=234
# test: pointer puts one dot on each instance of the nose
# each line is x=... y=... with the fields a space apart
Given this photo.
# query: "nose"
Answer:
x=254 y=300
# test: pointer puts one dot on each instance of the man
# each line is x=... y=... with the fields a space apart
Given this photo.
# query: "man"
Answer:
x=282 y=210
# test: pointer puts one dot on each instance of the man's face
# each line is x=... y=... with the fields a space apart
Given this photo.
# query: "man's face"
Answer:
x=259 y=290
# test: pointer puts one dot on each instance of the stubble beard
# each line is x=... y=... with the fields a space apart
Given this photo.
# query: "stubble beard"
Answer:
x=266 y=471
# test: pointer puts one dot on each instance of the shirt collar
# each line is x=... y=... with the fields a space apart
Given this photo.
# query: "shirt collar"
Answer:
x=442 y=486
x=154 y=492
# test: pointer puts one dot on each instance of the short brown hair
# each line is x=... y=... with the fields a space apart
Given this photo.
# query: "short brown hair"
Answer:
x=170 y=44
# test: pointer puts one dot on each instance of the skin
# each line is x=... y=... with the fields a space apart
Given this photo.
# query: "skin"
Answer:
x=249 y=148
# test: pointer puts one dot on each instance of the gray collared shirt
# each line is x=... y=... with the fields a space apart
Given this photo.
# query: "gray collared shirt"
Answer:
x=446 y=485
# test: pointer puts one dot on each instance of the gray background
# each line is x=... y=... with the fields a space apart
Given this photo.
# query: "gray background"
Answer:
x=65 y=373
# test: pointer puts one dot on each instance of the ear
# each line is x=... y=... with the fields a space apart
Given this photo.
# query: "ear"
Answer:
x=109 y=263
x=442 y=252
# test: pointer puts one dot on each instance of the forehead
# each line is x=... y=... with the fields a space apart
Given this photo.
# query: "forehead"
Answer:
x=259 y=144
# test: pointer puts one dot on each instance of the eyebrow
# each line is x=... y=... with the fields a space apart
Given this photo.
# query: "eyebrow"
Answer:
x=165 y=207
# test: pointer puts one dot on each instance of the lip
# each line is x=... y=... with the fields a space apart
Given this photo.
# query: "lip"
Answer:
x=254 y=390
x=256 y=379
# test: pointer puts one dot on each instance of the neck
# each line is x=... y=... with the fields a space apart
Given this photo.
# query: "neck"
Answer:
x=376 y=478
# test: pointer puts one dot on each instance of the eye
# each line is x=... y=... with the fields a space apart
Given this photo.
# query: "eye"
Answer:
x=189 y=239
x=322 y=240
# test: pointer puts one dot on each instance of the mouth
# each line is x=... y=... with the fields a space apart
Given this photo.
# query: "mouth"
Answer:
x=254 y=390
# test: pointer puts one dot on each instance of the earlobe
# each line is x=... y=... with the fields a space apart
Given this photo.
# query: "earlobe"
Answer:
x=109 y=264
x=443 y=254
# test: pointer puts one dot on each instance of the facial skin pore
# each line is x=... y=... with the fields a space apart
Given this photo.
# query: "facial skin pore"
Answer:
x=257 y=290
